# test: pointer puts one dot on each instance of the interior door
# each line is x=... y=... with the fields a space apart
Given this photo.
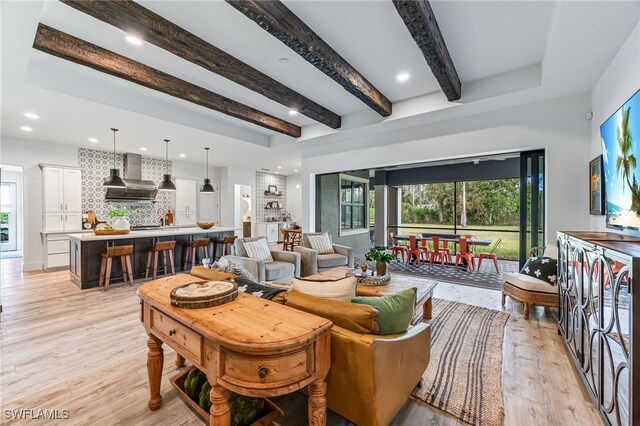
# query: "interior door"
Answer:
x=8 y=216
x=532 y=184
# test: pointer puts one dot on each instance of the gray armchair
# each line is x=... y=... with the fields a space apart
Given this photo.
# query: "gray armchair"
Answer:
x=314 y=262
x=284 y=267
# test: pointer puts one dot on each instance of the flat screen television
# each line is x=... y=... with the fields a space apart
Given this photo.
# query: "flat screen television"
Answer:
x=620 y=136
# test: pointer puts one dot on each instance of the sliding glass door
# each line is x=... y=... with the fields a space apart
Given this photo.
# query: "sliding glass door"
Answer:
x=532 y=181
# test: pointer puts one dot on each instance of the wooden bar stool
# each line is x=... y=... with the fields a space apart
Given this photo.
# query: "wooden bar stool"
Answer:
x=193 y=248
x=164 y=247
x=226 y=244
x=124 y=253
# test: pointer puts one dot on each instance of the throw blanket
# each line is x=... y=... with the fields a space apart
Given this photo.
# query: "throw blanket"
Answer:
x=256 y=289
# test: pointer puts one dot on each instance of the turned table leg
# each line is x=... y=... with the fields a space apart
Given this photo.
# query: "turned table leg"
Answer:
x=179 y=361
x=220 y=413
x=318 y=403
x=155 y=362
x=428 y=308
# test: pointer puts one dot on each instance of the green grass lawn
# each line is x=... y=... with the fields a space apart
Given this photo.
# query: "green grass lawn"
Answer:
x=507 y=250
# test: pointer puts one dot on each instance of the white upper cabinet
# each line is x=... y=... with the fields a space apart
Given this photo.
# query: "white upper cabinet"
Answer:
x=186 y=195
x=61 y=198
x=53 y=189
x=72 y=190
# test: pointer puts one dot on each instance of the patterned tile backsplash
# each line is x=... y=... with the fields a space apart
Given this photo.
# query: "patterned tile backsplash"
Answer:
x=263 y=181
x=95 y=167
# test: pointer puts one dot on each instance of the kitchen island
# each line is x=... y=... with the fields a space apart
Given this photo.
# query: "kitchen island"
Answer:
x=85 y=250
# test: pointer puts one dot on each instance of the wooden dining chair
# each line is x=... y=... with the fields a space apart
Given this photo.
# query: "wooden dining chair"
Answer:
x=492 y=254
x=442 y=254
x=395 y=247
x=466 y=255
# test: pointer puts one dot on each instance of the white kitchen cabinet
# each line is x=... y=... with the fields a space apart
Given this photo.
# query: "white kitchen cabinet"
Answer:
x=61 y=198
x=185 y=218
x=269 y=230
x=209 y=204
x=186 y=195
x=54 y=221
x=72 y=190
x=53 y=184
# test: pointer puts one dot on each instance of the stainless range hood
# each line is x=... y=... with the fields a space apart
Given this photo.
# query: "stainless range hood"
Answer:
x=137 y=190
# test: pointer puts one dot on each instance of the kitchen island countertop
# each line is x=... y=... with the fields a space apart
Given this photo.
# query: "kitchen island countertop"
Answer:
x=150 y=233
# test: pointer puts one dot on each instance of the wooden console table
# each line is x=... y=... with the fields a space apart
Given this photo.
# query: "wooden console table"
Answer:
x=250 y=346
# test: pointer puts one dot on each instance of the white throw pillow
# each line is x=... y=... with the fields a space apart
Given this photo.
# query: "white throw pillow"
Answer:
x=551 y=250
x=321 y=243
x=342 y=290
x=259 y=250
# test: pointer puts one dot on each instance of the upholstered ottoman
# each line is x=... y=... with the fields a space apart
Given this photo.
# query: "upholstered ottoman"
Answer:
x=529 y=291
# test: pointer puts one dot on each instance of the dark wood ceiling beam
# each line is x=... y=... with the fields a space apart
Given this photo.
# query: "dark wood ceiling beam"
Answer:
x=153 y=28
x=275 y=18
x=73 y=49
x=421 y=23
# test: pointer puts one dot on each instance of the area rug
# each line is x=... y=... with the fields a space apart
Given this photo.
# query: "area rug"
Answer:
x=486 y=277
x=464 y=377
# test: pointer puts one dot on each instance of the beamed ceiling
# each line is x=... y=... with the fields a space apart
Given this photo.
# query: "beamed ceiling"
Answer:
x=228 y=73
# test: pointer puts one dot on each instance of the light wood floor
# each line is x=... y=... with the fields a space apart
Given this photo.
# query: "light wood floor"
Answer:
x=85 y=351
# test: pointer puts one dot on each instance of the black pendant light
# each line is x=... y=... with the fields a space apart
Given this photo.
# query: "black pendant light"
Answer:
x=207 y=187
x=114 y=180
x=166 y=184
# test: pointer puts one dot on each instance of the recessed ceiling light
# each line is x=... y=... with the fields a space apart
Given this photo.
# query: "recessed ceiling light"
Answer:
x=277 y=173
x=134 y=40
x=26 y=129
x=142 y=148
x=280 y=167
x=298 y=186
x=402 y=77
x=283 y=61
x=31 y=115
x=93 y=140
x=295 y=170
x=293 y=112
x=183 y=155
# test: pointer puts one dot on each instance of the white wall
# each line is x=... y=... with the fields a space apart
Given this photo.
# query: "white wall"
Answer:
x=559 y=126
x=229 y=178
x=294 y=197
x=28 y=154
x=618 y=83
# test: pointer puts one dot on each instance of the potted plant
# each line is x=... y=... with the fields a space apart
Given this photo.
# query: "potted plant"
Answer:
x=121 y=216
x=381 y=258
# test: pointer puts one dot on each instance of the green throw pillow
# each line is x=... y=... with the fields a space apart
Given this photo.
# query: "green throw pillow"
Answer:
x=396 y=310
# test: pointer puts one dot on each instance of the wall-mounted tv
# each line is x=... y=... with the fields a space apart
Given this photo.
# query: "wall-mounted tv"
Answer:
x=620 y=136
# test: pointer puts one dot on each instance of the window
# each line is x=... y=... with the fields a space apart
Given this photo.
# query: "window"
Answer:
x=353 y=204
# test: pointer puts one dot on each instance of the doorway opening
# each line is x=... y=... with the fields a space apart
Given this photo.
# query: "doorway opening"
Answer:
x=11 y=212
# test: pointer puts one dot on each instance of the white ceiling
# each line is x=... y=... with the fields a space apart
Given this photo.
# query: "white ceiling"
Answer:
x=499 y=47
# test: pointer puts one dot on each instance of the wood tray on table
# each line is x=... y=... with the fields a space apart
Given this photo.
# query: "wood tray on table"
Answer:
x=110 y=231
x=364 y=279
x=270 y=413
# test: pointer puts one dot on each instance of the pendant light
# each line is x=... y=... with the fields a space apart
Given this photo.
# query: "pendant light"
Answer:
x=114 y=180
x=207 y=187
x=166 y=184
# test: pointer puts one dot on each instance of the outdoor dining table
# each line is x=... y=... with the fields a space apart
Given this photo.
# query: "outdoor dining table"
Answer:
x=449 y=238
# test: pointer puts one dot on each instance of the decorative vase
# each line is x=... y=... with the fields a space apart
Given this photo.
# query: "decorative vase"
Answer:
x=381 y=268
x=121 y=224
x=363 y=267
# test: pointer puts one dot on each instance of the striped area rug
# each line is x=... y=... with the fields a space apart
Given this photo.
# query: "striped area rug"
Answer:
x=464 y=377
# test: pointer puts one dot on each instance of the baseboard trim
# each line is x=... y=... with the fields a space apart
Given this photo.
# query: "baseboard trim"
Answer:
x=31 y=266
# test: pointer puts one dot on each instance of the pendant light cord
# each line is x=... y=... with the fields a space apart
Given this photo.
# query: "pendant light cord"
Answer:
x=207 y=162
x=114 y=146
x=166 y=156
